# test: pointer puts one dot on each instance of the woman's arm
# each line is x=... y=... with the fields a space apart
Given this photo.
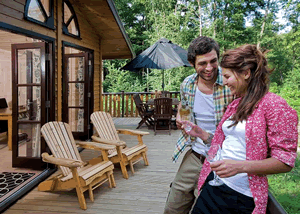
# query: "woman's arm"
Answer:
x=282 y=138
x=227 y=168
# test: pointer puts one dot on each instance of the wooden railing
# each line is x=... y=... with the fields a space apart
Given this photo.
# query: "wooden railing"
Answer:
x=122 y=104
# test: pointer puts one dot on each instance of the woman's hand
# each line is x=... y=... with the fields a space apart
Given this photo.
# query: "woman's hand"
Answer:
x=227 y=168
x=196 y=131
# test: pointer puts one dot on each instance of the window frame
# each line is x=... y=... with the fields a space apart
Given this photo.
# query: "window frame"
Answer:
x=49 y=23
x=72 y=17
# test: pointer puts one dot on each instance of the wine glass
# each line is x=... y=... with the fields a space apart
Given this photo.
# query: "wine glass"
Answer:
x=212 y=157
x=188 y=127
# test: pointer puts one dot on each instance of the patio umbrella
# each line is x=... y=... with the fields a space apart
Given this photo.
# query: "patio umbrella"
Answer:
x=161 y=55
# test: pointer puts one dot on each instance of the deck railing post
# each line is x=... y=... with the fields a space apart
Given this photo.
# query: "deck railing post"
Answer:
x=122 y=103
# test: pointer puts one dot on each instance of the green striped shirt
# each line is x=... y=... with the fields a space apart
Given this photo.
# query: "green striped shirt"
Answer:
x=222 y=97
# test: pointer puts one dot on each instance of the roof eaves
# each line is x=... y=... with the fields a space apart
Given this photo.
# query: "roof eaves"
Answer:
x=119 y=22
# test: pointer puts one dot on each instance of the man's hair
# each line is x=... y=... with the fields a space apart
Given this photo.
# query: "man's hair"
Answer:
x=202 y=45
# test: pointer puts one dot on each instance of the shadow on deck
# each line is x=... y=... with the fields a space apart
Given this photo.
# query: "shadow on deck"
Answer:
x=144 y=192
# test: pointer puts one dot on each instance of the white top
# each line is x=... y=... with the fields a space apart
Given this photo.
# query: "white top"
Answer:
x=204 y=110
x=234 y=148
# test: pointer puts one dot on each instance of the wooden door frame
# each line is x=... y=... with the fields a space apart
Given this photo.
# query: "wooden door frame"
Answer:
x=50 y=83
x=20 y=161
x=51 y=76
x=90 y=107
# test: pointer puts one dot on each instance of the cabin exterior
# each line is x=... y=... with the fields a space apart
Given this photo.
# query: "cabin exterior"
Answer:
x=51 y=54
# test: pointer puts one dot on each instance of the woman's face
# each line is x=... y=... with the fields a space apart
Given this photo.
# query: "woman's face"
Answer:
x=235 y=81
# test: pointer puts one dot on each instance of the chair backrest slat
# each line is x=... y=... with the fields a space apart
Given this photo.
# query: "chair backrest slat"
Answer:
x=139 y=105
x=163 y=107
x=60 y=140
x=104 y=125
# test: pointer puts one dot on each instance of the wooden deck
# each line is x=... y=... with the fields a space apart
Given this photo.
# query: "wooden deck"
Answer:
x=143 y=192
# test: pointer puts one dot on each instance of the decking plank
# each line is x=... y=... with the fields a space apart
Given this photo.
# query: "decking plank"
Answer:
x=143 y=192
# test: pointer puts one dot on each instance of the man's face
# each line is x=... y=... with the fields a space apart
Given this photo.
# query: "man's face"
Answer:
x=206 y=66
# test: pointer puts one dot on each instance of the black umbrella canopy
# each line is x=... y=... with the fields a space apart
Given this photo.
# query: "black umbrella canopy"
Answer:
x=161 y=55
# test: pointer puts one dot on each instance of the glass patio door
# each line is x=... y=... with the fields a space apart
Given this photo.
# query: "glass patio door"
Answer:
x=30 y=68
x=76 y=93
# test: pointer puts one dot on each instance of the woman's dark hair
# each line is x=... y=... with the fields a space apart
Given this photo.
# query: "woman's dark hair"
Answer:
x=243 y=58
x=202 y=45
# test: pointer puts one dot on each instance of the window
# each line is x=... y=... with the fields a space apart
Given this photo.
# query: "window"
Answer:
x=70 y=22
x=40 y=12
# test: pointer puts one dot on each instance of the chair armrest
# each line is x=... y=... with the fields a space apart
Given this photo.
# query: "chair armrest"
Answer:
x=110 y=142
x=71 y=163
x=95 y=146
x=132 y=132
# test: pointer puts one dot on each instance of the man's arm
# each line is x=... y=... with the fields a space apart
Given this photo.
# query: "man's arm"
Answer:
x=178 y=118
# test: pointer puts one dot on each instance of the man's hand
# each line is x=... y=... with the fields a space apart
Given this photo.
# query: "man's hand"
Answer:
x=196 y=131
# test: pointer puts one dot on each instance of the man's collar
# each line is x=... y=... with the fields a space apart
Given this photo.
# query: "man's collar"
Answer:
x=219 y=77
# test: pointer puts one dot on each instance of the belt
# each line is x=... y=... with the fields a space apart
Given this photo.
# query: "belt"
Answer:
x=199 y=156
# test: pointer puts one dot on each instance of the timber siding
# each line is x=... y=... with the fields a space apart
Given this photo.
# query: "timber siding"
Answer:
x=12 y=12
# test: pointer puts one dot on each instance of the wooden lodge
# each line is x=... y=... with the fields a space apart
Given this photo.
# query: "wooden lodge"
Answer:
x=51 y=65
x=51 y=54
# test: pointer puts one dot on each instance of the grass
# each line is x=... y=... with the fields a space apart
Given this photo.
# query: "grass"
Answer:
x=285 y=187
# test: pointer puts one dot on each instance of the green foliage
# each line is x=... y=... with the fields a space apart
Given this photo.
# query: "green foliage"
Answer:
x=290 y=89
x=146 y=21
x=118 y=80
x=285 y=187
x=179 y=21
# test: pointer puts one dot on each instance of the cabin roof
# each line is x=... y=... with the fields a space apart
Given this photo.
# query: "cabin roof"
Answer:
x=103 y=17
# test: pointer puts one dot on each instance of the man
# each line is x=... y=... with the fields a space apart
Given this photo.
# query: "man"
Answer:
x=207 y=98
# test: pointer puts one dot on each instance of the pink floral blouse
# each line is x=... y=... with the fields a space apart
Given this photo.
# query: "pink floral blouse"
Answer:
x=272 y=126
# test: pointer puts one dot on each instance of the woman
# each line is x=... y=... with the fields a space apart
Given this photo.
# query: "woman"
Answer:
x=258 y=135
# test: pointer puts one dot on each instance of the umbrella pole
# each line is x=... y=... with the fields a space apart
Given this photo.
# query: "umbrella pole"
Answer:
x=163 y=79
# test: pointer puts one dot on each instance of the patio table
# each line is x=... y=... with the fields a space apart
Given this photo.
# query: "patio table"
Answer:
x=175 y=101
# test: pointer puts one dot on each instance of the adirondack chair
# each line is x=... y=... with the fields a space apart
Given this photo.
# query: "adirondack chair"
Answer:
x=107 y=133
x=75 y=173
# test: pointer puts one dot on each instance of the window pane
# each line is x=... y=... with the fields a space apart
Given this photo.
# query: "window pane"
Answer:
x=76 y=119
x=29 y=66
x=67 y=13
x=76 y=69
x=35 y=12
x=29 y=140
x=29 y=101
x=72 y=28
x=46 y=5
x=76 y=94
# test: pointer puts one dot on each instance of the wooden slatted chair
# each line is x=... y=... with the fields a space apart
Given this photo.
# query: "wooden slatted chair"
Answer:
x=162 y=112
x=107 y=133
x=144 y=111
x=75 y=173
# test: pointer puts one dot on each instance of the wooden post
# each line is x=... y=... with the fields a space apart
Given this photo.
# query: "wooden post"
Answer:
x=110 y=104
x=119 y=105
x=131 y=105
x=59 y=58
x=127 y=97
x=106 y=102
x=115 y=105
x=122 y=103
